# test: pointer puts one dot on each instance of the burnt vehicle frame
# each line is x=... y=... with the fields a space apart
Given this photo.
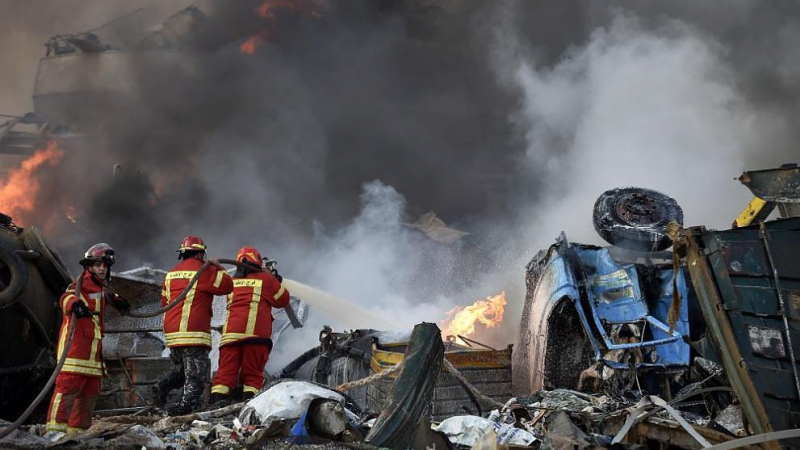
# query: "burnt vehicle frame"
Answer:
x=584 y=328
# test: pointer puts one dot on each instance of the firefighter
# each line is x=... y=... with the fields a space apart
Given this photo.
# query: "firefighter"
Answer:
x=246 y=337
x=187 y=328
x=78 y=383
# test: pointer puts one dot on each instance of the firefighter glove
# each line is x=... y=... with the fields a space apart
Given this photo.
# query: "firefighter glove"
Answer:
x=81 y=310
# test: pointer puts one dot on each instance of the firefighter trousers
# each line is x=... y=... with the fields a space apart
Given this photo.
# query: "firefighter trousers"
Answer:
x=243 y=362
x=190 y=366
x=73 y=402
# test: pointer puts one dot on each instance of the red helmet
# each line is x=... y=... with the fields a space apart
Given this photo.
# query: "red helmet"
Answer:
x=98 y=253
x=249 y=255
x=192 y=244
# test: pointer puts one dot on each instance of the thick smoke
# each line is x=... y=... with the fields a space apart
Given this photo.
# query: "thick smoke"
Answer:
x=506 y=118
x=648 y=99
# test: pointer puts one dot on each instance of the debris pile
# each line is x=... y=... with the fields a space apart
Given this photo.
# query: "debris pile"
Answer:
x=295 y=413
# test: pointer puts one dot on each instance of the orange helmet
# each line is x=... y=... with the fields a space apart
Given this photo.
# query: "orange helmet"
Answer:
x=249 y=255
x=192 y=244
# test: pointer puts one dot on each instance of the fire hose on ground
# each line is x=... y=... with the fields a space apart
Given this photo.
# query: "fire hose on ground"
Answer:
x=35 y=404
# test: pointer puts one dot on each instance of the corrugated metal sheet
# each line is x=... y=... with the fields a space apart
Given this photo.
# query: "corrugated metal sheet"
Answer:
x=744 y=278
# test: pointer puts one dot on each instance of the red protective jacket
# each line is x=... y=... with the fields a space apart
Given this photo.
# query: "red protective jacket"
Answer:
x=85 y=354
x=190 y=324
x=250 y=307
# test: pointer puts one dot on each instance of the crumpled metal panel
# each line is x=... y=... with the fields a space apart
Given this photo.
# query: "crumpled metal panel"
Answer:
x=780 y=185
x=614 y=288
x=615 y=297
x=605 y=294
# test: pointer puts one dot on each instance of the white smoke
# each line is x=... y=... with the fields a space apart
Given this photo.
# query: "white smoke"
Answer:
x=370 y=262
x=655 y=107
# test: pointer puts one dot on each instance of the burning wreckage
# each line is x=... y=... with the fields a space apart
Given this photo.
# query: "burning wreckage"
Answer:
x=622 y=345
x=626 y=345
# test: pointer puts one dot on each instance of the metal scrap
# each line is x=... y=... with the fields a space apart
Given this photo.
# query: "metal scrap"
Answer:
x=413 y=389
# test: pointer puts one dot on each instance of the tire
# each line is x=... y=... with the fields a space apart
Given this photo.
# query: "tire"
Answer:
x=13 y=277
x=636 y=218
x=52 y=268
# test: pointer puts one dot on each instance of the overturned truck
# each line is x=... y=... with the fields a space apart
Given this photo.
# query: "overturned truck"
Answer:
x=720 y=312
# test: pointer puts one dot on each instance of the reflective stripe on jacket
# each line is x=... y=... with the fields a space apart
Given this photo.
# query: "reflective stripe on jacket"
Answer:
x=250 y=307
x=190 y=324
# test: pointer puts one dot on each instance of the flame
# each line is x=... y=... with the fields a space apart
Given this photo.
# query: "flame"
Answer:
x=248 y=47
x=267 y=11
x=18 y=192
x=462 y=321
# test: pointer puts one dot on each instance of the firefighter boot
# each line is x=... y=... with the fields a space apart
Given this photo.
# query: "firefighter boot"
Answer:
x=246 y=396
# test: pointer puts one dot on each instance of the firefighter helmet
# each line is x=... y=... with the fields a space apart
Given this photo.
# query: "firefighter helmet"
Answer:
x=98 y=253
x=249 y=255
x=192 y=244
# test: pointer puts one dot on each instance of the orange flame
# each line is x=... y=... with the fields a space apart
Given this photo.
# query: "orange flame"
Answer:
x=267 y=11
x=248 y=47
x=18 y=192
x=462 y=321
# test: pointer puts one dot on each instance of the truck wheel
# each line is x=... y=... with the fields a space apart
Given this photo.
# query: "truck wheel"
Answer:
x=636 y=218
x=50 y=265
x=13 y=277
